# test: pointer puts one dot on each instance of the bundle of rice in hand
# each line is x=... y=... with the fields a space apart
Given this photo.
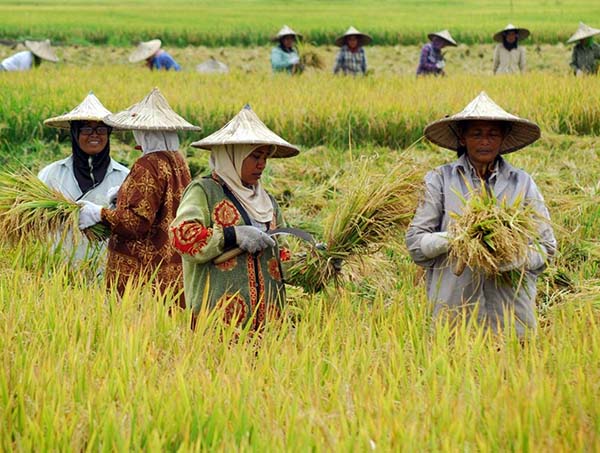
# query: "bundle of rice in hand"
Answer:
x=374 y=213
x=490 y=234
x=28 y=207
x=309 y=58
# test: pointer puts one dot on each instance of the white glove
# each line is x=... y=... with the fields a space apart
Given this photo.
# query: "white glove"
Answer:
x=295 y=59
x=251 y=239
x=111 y=195
x=534 y=260
x=90 y=214
x=440 y=64
x=579 y=73
x=435 y=244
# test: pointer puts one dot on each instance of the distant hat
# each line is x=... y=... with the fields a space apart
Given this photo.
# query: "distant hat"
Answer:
x=363 y=38
x=145 y=50
x=246 y=128
x=285 y=31
x=584 y=31
x=445 y=132
x=91 y=109
x=522 y=33
x=445 y=35
x=152 y=113
x=42 y=49
x=212 y=66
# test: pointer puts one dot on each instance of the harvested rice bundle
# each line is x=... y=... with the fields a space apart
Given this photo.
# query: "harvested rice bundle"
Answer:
x=374 y=213
x=29 y=207
x=489 y=234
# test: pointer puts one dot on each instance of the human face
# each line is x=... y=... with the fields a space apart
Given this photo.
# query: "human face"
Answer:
x=254 y=165
x=511 y=37
x=288 y=41
x=93 y=141
x=438 y=42
x=352 y=42
x=483 y=140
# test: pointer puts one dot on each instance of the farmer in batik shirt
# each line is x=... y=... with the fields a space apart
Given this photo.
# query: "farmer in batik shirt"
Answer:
x=351 y=59
x=230 y=209
x=432 y=59
x=139 y=248
x=480 y=135
x=586 y=53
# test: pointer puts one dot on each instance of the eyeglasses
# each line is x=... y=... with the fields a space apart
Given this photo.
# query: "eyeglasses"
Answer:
x=100 y=130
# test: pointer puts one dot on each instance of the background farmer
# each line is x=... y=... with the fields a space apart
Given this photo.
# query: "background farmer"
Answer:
x=32 y=57
x=351 y=58
x=480 y=134
x=432 y=59
x=509 y=57
x=586 y=52
x=89 y=173
x=284 y=57
x=147 y=202
x=231 y=209
x=155 y=57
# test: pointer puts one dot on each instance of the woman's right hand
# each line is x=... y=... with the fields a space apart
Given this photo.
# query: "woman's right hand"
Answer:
x=251 y=239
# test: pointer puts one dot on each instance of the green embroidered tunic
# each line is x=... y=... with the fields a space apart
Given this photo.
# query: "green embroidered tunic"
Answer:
x=245 y=287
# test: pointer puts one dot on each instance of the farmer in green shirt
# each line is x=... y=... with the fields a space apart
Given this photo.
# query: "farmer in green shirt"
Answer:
x=586 y=54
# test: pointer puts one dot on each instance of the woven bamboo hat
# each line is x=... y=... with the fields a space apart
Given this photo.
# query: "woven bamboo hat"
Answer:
x=584 y=31
x=246 y=128
x=42 y=49
x=152 y=113
x=445 y=35
x=445 y=132
x=91 y=109
x=363 y=38
x=212 y=66
x=145 y=50
x=285 y=31
x=522 y=33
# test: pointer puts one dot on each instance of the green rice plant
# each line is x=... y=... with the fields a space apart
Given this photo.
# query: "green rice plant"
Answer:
x=29 y=208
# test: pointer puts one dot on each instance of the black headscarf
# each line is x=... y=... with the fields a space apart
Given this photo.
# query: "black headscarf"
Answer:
x=508 y=45
x=282 y=47
x=88 y=173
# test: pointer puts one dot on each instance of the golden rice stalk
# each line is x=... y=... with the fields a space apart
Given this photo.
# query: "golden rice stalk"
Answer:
x=491 y=233
x=29 y=208
x=311 y=59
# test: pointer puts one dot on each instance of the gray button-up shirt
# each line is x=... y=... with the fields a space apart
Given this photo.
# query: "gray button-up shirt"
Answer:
x=444 y=188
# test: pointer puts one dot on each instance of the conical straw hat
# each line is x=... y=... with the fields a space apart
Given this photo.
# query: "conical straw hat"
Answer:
x=152 y=113
x=445 y=35
x=246 y=128
x=285 y=31
x=584 y=31
x=42 y=49
x=91 y=109
x=145 y=50
x=522 y=33
x=445 y=132
x=212 y=66
x=363 y=38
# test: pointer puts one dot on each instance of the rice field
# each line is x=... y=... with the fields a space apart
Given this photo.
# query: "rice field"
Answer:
x=358 y=367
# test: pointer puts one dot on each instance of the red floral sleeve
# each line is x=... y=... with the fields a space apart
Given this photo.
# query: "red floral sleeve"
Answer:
x=284 y=255
x=190 y=237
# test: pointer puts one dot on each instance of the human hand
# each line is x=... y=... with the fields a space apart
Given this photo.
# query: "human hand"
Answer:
x=534 y=260
x=294 y=59
x=89 y=214
x=440 y=64
x=251 y=239
x=111 y=195
x=579 y=73
x=435 y=244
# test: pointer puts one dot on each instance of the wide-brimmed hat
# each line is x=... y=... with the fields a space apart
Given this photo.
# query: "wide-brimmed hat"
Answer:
x=446 y=132
x=42 y=49
x=285 y=31
x=212 y=66
x=584 y=31
x=363 y=38
x=445 y=35
x=522 y=33
x=90 y=109
x=152 y=113
x=246 y=128
x=145 y=50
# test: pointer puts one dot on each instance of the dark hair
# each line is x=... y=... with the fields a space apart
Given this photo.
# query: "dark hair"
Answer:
x=510 y=45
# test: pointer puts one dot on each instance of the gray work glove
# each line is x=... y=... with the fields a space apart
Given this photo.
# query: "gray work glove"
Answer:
x=250 y=239
x=435 y=244
x=440 y=64
x=535 y=259
x=111 y=195
x=89 y=214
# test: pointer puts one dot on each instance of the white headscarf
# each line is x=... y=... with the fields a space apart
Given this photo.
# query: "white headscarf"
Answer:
x=226 y=161
x=153 y=141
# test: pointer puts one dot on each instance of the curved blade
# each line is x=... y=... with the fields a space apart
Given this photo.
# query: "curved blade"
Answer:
x=304 y=235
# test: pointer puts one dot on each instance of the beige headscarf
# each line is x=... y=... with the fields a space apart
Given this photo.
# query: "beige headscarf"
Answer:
x=226 y=161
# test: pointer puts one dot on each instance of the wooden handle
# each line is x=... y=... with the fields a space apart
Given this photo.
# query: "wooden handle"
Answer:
x=459 y=267
x=228 y=255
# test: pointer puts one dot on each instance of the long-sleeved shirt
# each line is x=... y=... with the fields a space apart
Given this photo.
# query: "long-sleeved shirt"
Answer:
x=444 y=188
x=349 y=62
x=164 y=61
x=430 y=57
x=283 y=61
x=585 y=58
x=21 y=61
x=509 y=61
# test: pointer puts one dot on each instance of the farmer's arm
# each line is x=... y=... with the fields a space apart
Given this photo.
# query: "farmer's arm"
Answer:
x=339 y=59
x=279 y=60
x=522 y=59
x=547 y=247
x=424 y=62
x=193 y=234
x=496 y=59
